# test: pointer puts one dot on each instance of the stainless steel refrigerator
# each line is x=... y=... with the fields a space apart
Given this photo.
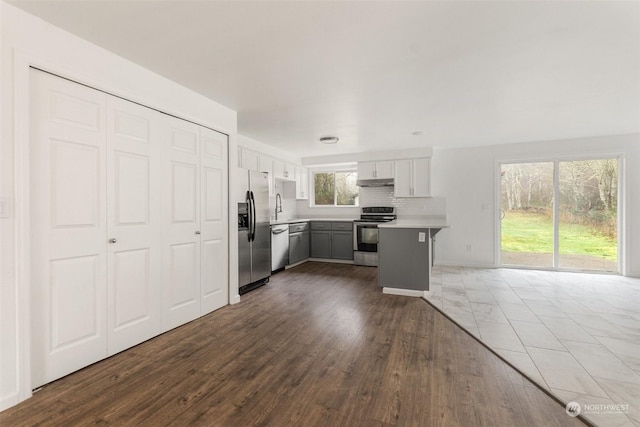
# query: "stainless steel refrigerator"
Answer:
x=254 y=232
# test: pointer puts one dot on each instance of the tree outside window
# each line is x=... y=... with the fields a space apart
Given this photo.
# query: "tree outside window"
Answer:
x=335 y=188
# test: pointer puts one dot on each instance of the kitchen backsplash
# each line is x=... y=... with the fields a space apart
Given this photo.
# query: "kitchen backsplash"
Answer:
x=289 y=208
x=406 y=208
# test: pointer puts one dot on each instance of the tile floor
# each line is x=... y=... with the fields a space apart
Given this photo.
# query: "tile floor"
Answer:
x=576 y=335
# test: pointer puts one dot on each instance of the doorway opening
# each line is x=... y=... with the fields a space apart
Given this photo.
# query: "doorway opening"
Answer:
x=560 y=214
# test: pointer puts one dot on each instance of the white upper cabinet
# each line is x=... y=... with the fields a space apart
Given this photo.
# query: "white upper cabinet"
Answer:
x=265 y=164
x=249 y=159
x=302 y=183
x=283 y=170
x=412 y=178
x=375 y=170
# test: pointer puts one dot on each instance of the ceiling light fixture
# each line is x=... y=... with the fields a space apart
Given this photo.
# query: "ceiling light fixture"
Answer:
x=329 y=139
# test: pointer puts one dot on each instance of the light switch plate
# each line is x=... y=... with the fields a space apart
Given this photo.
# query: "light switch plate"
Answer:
x=421 y=236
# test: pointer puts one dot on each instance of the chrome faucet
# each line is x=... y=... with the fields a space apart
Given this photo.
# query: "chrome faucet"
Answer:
x=280 y=199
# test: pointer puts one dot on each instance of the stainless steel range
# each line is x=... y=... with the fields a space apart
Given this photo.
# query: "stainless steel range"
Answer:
x=365 y=233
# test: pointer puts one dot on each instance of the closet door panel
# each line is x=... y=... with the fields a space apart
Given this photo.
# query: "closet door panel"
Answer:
x=68 y=227
x=134 y=226
x=181 y=274
x=214 y=221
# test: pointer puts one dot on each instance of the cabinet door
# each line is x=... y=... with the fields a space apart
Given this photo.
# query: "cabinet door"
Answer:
x=302 y=183
x=266 y=165
x=366 y=170
x=305 y=246
x=402 y=181
x=384 y=169
x=342 y=245
x=294 y=243
x=289 y=172
x=421 y=169
x=298 y=247
x=250 y=160
x=278 y=169
x=321 y=244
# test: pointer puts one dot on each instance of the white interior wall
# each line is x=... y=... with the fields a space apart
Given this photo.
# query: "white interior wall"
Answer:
x=467 y=178
x=261 y=147
x=27 y=40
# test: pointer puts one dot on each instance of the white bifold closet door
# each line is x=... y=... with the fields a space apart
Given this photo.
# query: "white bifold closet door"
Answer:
x=181 y=275
x=128 y=224
x=214 y=221
x=134 y=236
x=68 y=227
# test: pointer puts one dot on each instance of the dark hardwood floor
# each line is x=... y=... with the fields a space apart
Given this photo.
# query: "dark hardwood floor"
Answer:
x=318 y=346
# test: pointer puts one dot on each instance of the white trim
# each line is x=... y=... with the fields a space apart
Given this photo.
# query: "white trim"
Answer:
x=445 y=263
x=403 y=292
x=556 y=214
x=312 y=187
x=288 y=266
x=21 y=146
x=330 y=260
x=623 y=242
x=497 y=221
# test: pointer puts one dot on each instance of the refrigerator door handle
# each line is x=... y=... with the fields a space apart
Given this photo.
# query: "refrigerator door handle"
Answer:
x=253 y=216
x=249 y=214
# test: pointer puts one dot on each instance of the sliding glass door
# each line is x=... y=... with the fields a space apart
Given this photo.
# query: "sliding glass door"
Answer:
x=588 y=215
x=560 y=214
x=527 y=214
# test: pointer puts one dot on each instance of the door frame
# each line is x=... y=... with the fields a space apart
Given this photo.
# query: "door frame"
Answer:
x=22 y=64
x=621 y=224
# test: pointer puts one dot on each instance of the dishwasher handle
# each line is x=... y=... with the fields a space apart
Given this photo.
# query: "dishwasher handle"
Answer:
x=282 y=230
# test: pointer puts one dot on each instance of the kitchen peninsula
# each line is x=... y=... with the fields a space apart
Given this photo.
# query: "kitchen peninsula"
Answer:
x=405 y=256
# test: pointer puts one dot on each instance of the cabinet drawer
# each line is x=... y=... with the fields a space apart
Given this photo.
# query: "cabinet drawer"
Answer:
x=342 y=226
x=320 y=225
x=298 y=226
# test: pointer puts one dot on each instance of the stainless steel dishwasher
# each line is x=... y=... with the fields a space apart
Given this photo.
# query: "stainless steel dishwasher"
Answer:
x=279 y=246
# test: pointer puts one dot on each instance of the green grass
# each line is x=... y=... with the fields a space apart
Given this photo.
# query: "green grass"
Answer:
x=533 y=233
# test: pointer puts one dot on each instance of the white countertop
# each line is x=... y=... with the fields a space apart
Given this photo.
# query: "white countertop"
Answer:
x=414 y=224
x=295 y=220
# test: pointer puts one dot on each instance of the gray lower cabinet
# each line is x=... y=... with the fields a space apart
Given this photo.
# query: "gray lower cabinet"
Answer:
x=342 y=245
x=298 y=242
x=332 y=240
x=320 y=244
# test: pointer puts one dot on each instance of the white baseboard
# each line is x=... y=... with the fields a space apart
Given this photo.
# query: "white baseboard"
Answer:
x=288 y=266
x=463 y=264
x=335 y=261
x=403 y=292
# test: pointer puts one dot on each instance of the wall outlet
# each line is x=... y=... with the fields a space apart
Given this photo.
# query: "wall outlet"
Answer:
x=422 y=236
x=468 y=248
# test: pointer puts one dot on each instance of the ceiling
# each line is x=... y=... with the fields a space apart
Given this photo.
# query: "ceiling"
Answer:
x=373 y=72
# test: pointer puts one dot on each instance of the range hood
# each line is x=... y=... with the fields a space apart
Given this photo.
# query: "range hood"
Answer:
x=383 y=182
